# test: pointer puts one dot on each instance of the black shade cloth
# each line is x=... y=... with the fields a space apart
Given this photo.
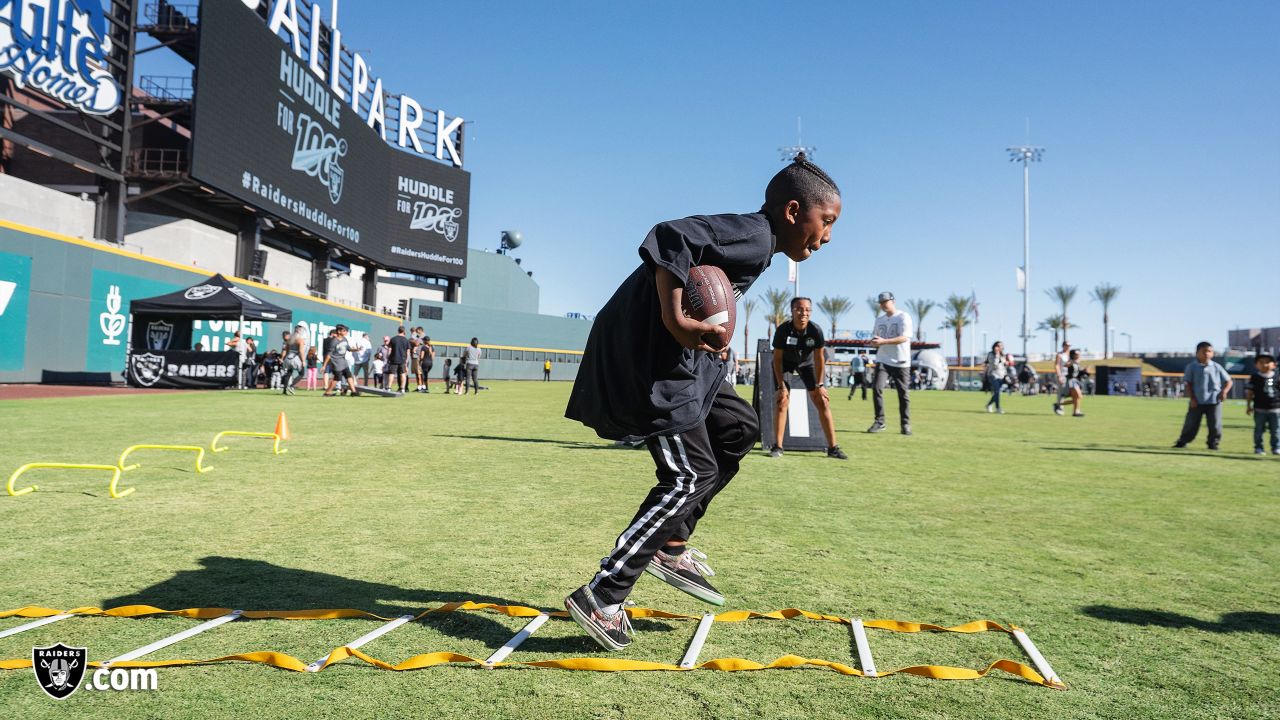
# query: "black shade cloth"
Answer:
x=213 y=299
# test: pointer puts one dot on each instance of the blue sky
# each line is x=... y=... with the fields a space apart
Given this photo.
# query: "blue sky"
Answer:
x=594 y=121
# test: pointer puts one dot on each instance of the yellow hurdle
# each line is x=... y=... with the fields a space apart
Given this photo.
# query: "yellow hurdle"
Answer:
x=275 y=448
x=112 y=488
x=199 y=451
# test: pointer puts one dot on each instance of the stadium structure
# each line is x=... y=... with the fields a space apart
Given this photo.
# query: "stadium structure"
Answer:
x=279 y=160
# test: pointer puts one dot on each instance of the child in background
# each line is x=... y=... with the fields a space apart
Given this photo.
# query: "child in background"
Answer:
x=1262 y=401
x=313 y=362
x=378 y=365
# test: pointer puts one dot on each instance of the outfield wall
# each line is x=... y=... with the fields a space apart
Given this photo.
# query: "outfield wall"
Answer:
x=64 y=304
x=515 y=343
x=68 y=305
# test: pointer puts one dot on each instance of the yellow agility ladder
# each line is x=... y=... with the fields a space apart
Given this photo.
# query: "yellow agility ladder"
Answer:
x=1042 y=674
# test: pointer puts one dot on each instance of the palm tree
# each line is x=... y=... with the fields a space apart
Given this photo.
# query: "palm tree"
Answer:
x=918 y=309
x=959 y=309
x=777 y=301
x=748 y=309
x=833 y=308
x=1064 y=295
x=1103 y=294
x=1055 y=323
x=874 y=306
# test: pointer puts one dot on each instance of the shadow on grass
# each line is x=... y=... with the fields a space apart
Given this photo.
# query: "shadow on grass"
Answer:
x=1257 y=622
x=256 y=585
x=1146 y=450
x=567 y=444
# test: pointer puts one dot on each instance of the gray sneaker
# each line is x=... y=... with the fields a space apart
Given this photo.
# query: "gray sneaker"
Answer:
x=686 y=572
x=876 y=427
x=776 y=452
x=906 y=429
x=612 y=632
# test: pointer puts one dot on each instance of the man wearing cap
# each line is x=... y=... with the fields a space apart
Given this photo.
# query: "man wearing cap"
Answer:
x=892 y=340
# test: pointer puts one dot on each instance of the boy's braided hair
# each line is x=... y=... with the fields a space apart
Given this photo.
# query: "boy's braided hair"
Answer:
x=801 y=181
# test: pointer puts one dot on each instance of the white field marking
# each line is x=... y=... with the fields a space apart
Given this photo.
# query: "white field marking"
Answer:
x=383 y=629
x=179 y=637
x=1042 y=665
x=34 y=624
x=864 y=648
x=6 y=293
x=514 y=642
x=699 y=638
x=798 y=413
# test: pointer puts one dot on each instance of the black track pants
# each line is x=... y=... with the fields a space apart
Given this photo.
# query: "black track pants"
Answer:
x=692 y=467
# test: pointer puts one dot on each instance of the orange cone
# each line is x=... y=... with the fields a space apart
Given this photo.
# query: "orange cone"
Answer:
x=282 y=427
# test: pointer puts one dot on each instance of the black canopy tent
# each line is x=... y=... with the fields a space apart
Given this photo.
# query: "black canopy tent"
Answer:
x=159 y=327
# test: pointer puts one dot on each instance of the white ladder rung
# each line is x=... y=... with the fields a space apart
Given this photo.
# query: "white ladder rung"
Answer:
x=699 y=638
x=515 y=642
x=383 y=629
x=178 y=637
x=35 y=624
x=864 y=648
x=1041 y=664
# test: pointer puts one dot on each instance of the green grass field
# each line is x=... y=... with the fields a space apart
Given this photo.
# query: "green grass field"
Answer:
x=1147 y=576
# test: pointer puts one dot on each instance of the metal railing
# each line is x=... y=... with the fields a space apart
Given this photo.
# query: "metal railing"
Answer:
x=167 y=88
x=158 y=162
x=165 y=15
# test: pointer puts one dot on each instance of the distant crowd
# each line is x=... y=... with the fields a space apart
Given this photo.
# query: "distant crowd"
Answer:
x=344 y=360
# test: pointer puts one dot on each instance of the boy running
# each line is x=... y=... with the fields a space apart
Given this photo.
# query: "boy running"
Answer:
x=647 y=372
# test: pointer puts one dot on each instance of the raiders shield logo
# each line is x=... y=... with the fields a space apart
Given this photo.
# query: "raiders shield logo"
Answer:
x=147 y=369
x=159 y=333
x=201 y=292
x=59 y=669
x=336 y=173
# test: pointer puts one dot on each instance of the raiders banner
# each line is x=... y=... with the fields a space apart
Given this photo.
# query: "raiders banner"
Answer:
x=182 y=369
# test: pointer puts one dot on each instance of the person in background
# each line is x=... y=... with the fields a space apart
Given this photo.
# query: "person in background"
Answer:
x=339 y=359
x=459 y=377
x=892 y=340
x=378 y=365
x=386 y=359
x=326 y=372
x=995 y=369
x=1207 y=385
x=1060 y=373
x=546 y=370
x=199 y=347
x=428 y=361
x=471 y=355
x=361 y=356
x=415 y=357
x=1262 y=401
x=856 y=367
x=272 y=366
x=313 y=362
x=398 y=360
x=798 y=346
x=250 y=365
x=1076 y=375
x=448 y=375
x=295 y=350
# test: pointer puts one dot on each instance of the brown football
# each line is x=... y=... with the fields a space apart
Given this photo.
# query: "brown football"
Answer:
x=708 y=297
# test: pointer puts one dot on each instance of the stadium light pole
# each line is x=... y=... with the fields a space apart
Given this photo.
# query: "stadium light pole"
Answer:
x=1026 y=154
x=1130 y=341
